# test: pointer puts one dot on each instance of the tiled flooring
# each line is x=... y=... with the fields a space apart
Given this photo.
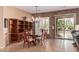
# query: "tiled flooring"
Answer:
x=51 y=45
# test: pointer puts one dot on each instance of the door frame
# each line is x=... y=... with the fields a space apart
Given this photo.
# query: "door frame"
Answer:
x=74 y=15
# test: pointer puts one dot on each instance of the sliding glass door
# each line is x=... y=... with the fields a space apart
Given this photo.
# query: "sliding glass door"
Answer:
x=64 y=26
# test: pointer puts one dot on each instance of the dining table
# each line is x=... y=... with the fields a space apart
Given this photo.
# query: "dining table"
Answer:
x=34 y=36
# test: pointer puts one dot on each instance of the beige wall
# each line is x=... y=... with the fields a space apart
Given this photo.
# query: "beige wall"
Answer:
x=2 y=40
x=12 y=12
x=9 y=12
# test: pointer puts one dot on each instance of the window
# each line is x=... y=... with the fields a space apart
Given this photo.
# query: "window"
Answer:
x=41 y=23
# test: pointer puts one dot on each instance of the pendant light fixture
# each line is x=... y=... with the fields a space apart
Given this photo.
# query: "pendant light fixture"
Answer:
x=34 y=18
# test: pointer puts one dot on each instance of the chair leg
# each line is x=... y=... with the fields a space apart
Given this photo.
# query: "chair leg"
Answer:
x=24 y=44
x=34 y=42
x=28 y=44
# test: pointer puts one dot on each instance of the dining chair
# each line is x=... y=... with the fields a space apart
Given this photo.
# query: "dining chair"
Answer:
x=28 y=39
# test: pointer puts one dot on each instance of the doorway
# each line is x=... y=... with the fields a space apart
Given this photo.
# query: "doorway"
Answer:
x=64 y=25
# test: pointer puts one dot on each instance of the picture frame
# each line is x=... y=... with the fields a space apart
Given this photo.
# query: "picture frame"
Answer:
x=5 y=22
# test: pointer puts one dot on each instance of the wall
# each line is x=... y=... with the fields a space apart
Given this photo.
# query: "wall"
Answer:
x=52 y=18
x=2 y=40
x=12 y=12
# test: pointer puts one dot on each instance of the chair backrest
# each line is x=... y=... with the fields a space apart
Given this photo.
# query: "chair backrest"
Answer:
x=25 y=36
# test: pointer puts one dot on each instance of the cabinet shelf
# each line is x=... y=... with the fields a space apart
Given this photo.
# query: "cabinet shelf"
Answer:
x=18 y=26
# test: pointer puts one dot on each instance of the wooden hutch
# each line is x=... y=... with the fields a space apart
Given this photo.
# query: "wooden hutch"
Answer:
x=17 y=27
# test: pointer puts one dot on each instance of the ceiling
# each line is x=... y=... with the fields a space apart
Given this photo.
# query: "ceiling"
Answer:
x=41 y=9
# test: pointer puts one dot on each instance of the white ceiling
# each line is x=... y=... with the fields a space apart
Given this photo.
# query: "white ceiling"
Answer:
x=32 y=9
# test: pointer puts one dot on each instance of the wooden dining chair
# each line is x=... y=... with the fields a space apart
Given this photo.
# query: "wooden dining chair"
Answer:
x=28 y=40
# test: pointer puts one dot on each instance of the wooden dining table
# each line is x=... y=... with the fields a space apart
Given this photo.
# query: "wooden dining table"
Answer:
x=34 y=36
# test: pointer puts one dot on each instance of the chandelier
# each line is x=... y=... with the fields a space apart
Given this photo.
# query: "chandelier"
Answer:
x=36 y=17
